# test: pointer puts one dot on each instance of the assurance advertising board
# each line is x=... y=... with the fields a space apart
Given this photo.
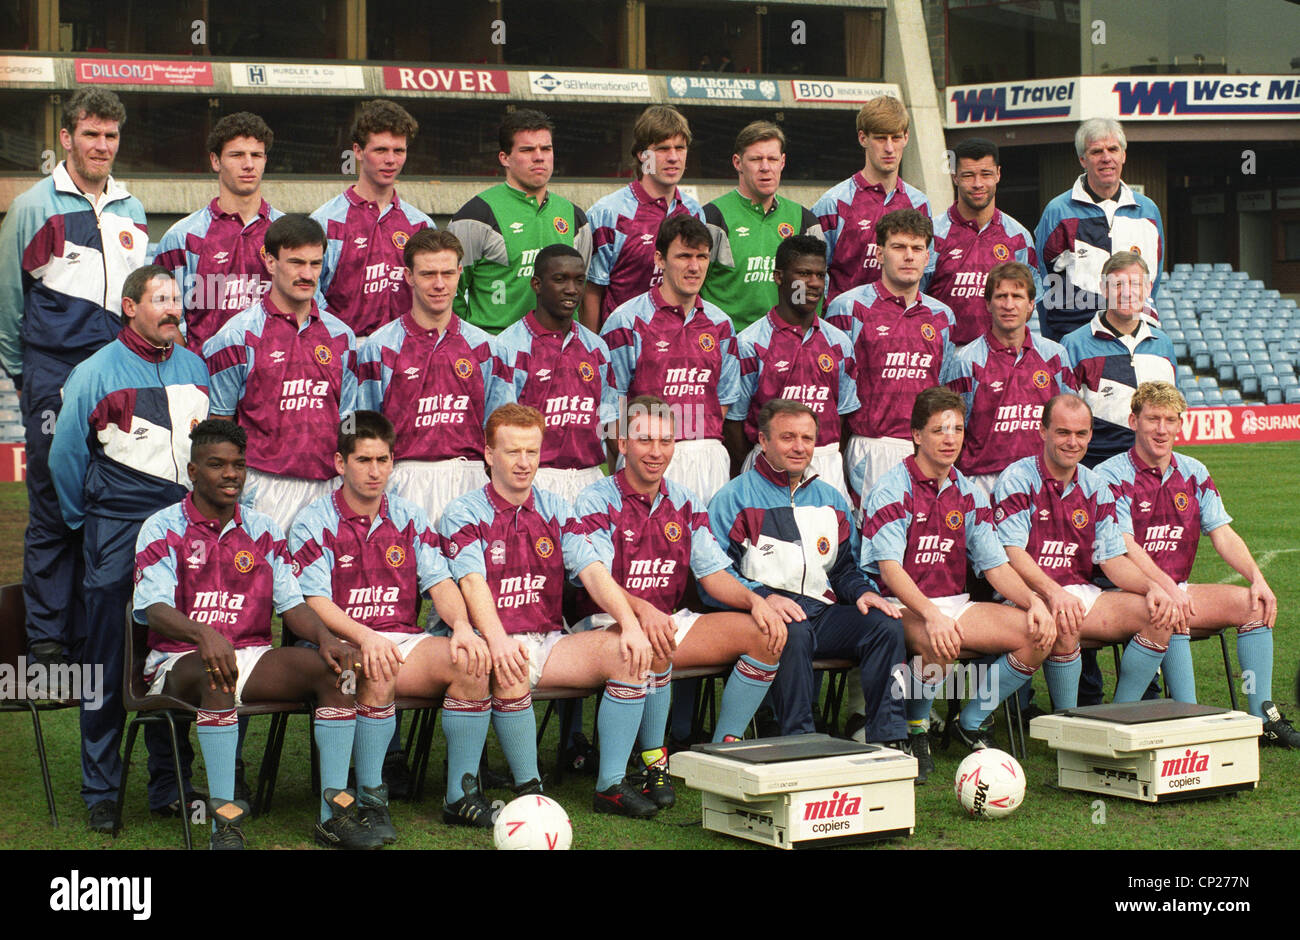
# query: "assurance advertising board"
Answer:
x=1240 y=425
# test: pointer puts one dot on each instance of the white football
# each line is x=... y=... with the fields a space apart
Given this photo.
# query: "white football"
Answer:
x=533 y=822
x=990 y=783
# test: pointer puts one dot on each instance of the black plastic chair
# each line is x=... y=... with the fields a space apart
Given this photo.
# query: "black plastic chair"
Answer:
x=13 y=647
x=166 y=709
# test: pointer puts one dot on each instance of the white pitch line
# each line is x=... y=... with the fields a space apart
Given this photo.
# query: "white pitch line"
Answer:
x=1263 y=561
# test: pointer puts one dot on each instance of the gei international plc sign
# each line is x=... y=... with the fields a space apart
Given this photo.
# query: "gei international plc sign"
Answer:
x=1202 y=98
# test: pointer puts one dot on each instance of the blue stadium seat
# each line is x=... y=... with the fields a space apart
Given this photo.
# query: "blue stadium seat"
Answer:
x=1250 y=386
x=1207 y=382
x=1225 y=373
x=1232 y=397
x=1202 y=267
x=1274 y=335
x=1269 y=380
x=1272 y=294
x=1222 y=267
x=1182 y=268
x=1254 y=284
x=1200 y=361
x=1293 y=395
x=1239 y=276
x=1195 y=397
x=1272 y=396
x=1212 y=334
x=1213 y=397
x=1263 y=367
x=1183 y=373
x=1235 y=345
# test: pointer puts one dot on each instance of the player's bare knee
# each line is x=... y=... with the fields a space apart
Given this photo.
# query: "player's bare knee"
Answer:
x=504 y=689
x=216 y=701
x=377 y=692
x=469 y=688
x=660 y=664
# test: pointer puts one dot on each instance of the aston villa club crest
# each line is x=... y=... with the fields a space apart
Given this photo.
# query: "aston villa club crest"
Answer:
x=400 y=239
x=1181 y=501
x=323 y=355
x=785 y=230
x=825 y=362
x=672 y=531
x=561 y=225
x=545 y=547
x=954 y=519
x=395 y=556
x=1079 y=517
x=1001 y=252
x=464 y=368
x=1041 y=379
x=707 y=342
x=586 y=371
x=243 y=561
x=927 y=331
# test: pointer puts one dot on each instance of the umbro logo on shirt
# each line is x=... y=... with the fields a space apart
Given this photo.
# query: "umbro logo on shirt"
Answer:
x=140 y=433
x=647 y=238
x=543 y=375
x=864 y=224
x=412 y=373
x=1044 y=515
x=629 y=535
x=921 y=517
x=995 y=386
x=781 y=366
x=1144 y=506
x=360 y=241
x=345 y=561
x=955 y=254
x=516 y=227
x=882 y=330
x=663 y=346
x=221 y=257
x=498 y=552
x=742 y=231
x=277 y=356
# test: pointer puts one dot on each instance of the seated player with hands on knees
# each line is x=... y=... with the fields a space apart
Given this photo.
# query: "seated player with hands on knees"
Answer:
x=1056 y=521
x=364 y=557
x=922 y=522
x=510 y=546
x=1164 y=501
x=209 y=575
x=653 y=534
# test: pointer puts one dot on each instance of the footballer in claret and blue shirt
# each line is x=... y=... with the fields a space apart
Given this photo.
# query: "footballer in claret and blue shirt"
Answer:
x=368 y=226
x=671 y=343
x=564 y=370
x=653 y=535
x=436 y=377
x=216 y=254
x=1056 y=521
x=1005 y=377
x=972 y=238
x=923 y=522
x=1164 y=502
x=364 y=558
x=850 y=211
x=209 y=575
x=900 y=343
x=625 y=223
x=793 y=353
x=510 y=546
x=286 y=370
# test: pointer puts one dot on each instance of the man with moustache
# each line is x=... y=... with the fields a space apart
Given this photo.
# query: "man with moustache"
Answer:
x=118 y=455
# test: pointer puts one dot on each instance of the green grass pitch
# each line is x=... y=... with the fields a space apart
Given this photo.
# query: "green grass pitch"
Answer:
x=1259 y=490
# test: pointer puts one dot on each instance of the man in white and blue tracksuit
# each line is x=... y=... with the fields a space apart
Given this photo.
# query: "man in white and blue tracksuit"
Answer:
x=791 y=539
x=65 y=247
x=119 y=454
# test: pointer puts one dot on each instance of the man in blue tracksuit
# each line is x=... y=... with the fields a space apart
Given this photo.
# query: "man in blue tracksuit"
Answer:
x=791 y=539
x=119 y=455
x=65 y=248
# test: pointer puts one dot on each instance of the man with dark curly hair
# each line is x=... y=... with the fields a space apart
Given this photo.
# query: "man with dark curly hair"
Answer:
x=368 y=226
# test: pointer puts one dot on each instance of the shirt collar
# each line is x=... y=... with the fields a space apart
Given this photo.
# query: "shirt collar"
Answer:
x=919 y=478
x=657 y=298
x=645 y=198
x=897 y=300
x=414 y=329
x=355 y=198
x=864 y=183
x=534 y=326
x=1083 y=193
x=958 y=219
x=273 y=310
x=194 y=517
x=995 y=345
x=780 y=477
x=499 y=504
x=625 y=488
x=347 y=513
x=142 y=347
x=1101 y=328
x=1059 y=488
x=1141 y=466
x=758 y=206
x=527 y=198
x=63 y=183
x=214 y=207
x=778 y=324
